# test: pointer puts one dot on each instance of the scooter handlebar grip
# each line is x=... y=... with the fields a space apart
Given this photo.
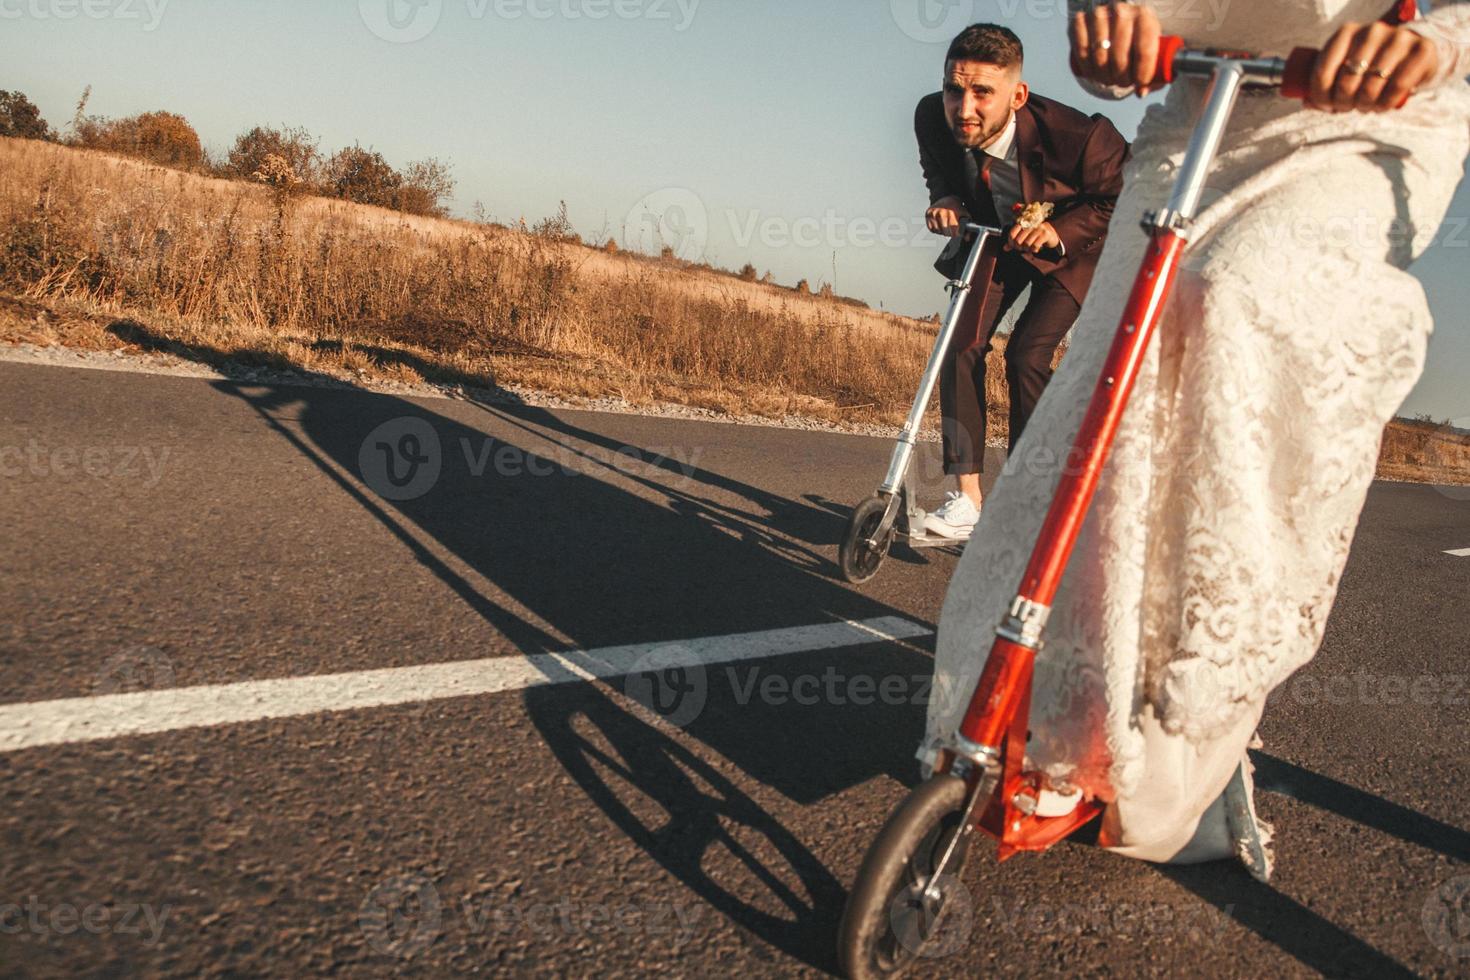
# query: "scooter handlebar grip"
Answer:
x=1169 y=46
x=1296 y=80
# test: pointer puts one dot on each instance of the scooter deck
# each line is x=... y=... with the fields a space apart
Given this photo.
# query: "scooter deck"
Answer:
x=925 y=540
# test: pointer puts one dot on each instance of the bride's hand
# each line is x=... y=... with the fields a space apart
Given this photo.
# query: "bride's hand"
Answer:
x=1116 y=44
x=1371 y=68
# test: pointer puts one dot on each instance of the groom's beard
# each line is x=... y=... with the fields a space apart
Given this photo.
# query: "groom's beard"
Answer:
x=974 y=139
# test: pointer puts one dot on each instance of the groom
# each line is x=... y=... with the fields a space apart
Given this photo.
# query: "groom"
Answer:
x=988 y=147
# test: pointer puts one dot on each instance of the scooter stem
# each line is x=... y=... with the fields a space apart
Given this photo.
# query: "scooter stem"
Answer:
x=1005 y=685
x=903 y=454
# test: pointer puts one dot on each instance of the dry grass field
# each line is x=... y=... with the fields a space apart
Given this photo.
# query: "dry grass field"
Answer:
x=102 y=252
x=240 y=272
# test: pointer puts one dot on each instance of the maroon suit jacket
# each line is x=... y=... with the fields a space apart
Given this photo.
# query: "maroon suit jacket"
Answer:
x=1065 y=156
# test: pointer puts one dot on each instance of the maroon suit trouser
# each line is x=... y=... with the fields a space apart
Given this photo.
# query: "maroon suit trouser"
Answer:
x=1049 y=313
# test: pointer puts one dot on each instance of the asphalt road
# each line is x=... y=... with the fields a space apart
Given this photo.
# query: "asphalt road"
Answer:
x=565 y=818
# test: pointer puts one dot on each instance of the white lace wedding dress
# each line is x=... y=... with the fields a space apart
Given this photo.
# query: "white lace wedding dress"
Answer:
x=1210 y=560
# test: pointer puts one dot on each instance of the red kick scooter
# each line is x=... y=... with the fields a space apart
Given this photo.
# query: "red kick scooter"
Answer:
x=895 y=915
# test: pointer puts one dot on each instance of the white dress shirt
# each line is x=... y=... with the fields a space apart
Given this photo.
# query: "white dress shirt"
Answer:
x=1005 y=175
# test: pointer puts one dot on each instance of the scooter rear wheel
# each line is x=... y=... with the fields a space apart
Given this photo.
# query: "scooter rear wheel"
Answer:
x=888 y=926
x=858 y=559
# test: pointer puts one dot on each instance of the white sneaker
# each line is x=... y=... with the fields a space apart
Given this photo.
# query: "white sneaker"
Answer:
x=956 y=519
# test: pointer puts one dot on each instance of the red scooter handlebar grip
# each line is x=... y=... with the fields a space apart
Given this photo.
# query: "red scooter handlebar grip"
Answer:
x=1169 y=46
x=1297 y=79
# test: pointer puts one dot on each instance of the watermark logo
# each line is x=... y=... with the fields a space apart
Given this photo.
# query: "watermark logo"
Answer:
x=671 y=684
x=1447 y=917
x=401 y=21
x=933 y=928
x=673 y=219
x=143 y=669
x=932 y=21
x=402 y=916
x=401 y=459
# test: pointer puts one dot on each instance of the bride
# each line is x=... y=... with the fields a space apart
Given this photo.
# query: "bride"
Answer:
x=1211 y=557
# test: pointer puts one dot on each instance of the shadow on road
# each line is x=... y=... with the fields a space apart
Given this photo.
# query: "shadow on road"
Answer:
x=594 y=564
x=1293 y=928
x=1275 y=775
x=1298 y=931
x=593 y=553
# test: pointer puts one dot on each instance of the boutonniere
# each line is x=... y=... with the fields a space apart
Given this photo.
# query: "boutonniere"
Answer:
x=1033 y=215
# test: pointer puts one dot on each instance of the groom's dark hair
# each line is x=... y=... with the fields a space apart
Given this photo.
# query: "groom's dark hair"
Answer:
x=990 y=43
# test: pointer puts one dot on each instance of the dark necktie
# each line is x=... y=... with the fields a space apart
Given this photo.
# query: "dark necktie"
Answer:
x=977 y=172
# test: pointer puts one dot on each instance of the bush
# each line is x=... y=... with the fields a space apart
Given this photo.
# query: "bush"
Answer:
x=162 y=137
x=804 y=288
x=747 y=272
x=277 y=172
x=363 y=176
x=296 y=147
x=426 y=188
x=20 y=118
x=558 y=227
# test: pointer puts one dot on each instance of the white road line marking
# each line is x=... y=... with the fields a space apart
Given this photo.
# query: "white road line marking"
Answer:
x=35 y=724
x=1462 y=553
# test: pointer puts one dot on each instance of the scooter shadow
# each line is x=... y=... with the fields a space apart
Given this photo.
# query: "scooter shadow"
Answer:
x=692 y=809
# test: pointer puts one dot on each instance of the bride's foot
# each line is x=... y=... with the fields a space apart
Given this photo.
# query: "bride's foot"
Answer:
x=1251 y=836
x=1050 y=803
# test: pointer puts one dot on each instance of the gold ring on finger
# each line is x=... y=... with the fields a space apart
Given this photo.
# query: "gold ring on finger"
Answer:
x=1380 y=73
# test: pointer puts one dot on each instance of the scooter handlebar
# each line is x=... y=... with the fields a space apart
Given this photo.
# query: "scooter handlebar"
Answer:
x=1296 y=75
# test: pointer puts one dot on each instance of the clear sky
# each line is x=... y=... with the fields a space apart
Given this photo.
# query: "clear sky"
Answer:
x=776 y=133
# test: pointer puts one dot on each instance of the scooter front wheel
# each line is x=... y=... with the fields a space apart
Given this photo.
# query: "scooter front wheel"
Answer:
x=860 y=555
x=890 y=923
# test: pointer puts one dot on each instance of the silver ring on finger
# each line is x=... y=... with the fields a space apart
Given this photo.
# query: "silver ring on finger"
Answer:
x=1105 y=44
x=1354 y=67
x=1380 y=73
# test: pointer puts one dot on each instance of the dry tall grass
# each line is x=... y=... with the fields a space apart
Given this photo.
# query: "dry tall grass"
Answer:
x=226 y=271
x=1423 y=452
x=245 y=271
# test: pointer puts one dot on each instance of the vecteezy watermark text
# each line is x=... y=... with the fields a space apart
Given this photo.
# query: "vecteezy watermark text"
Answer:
x=404 y=458
x=126 y=10
x=36 y=459
x=1136 y=919
x=98 y=918
x=829 y=688
x=938 y=21
x=1363 y=688
x=403 y=916
x=407 y=21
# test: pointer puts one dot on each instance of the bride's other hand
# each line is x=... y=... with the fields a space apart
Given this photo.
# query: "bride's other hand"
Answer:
x=1371 y=68
x=1116 y=44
